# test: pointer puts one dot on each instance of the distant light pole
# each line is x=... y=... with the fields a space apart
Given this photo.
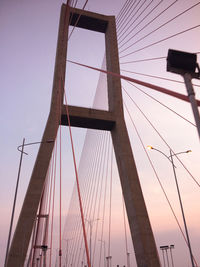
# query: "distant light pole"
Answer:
x=170 y=249
x=165 y=248
x=128 y=259
x=16 y=190
x=109 y=259
x=104 y=246
x=170 y=158
x=90 y=222
x=38 y=262
x=44 y=250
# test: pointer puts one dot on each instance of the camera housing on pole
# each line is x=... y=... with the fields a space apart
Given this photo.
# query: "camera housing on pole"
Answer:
x=180 y=62
x=185 y=64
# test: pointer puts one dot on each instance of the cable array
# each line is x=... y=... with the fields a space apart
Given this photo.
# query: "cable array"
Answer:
x=88 y=226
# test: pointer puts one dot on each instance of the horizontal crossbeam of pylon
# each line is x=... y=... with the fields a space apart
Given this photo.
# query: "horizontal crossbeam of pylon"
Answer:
x=88 y=118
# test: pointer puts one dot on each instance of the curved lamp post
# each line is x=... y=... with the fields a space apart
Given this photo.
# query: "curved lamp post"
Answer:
x=170 y=158
x=21 y=150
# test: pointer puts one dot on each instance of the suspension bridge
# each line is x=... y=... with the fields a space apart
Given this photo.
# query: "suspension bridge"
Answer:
x=121 y=200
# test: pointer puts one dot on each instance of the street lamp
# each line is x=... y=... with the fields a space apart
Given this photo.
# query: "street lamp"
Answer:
x=90 y=222
x=21 y=150
x=170 y=158
x=109 y=258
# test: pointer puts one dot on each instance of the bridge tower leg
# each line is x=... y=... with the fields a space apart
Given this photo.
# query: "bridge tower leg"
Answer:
x=111 y=120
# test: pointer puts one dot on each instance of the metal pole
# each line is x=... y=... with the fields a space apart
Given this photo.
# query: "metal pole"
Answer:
x=14 y=203
x=167 y=257
x=128 y=259
x=38 y=259
x=171 y=247
x=163 y=256
x=183 y=215
x=191 y=95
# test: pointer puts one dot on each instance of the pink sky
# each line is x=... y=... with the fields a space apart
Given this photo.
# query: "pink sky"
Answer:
x=28 y=43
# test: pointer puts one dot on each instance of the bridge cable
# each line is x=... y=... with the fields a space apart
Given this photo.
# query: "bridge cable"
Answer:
x=131 y=17
x=147 y=59
x=93 y=196
x=147 y=15
x=158 y=179
x=120 y=34
x=162 y=25
x=77 y=182
x=147 y=24
x=125 y=15
x=162 y=104
x=125 y=231
x=91 y=175
x=76 y=23
x=190 y=174
x=110 y=201
x=157 y=77
x=142 y=60
x=53 y=204
x=121 y=12
x=162 y=40
x=149 y=85
x=98 y=201
x=105 y=194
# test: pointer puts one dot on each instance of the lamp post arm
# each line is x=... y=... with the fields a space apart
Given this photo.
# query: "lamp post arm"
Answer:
x=168 y=157
x=183 y=152
x=34 y=143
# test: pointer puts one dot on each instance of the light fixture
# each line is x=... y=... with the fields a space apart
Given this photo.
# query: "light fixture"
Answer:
x=182 y=62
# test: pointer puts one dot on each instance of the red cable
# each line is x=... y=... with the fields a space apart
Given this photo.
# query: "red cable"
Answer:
x=77 y=182
x=157 y=77
x=78 y=19
x=152 y=86
x=53 y=201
